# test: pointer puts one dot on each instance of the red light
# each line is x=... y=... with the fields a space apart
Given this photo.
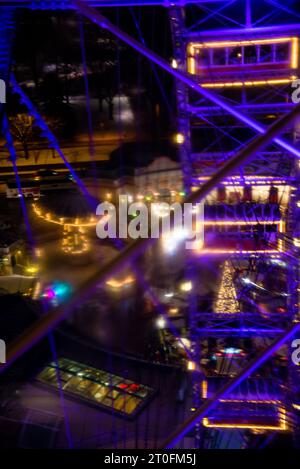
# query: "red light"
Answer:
x=123 y=386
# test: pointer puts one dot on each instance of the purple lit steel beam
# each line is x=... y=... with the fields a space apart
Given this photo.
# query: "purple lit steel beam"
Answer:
x=140 y=278
x=47 y=133
x=53 y=141
x=207 y=331
x=210 y=404
x=13 y=157
x=46 y=323
x=49 y=321
x=234 y=32
x=65 y=4
x=104 y=23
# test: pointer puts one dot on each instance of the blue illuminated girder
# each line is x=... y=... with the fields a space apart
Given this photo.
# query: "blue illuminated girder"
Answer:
x=64 y=4
x=6 y=32
x=242 y=376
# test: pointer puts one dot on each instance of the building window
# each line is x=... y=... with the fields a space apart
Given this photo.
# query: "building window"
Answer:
x=250 y=55
x=235 y=55
x=266 y=54
x=219 y=56
x=282 y=53
x=204 y=58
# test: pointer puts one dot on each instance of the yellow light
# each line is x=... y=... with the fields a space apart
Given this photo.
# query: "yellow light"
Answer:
x=161 y=322
x=282 y=81
x=186 y=286
x=179 y=138
x=32 y=269
x=113 y=283
x=297 y=242
x=174 y=63
x=59 y=220
x=226 y=301
x=38 y=252
x=281 y=412
x=191 y=366
x=242 y=222
x=249 y=426
x=191 y=62
x=278 y=40
x=236 y=251
x=204 y=389
x=295 y=52
x=173 y=311
x=281 y=230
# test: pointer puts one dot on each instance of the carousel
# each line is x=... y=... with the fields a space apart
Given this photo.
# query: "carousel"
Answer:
x=75 y=214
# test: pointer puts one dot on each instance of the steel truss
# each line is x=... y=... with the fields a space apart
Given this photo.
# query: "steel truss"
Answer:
x=201 y=114
x=244 y=153
x=66 y=4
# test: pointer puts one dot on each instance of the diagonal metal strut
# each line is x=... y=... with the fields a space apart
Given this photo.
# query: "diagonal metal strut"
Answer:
x=104 y=23
x=46 y=323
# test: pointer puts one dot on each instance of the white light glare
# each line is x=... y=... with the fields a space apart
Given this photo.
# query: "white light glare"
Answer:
x=161 y=322
x=172 y=240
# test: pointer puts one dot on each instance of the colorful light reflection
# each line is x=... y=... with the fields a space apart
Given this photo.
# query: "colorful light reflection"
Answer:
x=58 y=292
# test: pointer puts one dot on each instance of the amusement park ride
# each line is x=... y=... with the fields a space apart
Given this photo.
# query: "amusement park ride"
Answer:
x=233 y=66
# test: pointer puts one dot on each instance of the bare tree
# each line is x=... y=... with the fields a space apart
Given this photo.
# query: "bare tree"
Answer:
x=21 y=127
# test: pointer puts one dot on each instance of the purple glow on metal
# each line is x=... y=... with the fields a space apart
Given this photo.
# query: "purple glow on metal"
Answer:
x=65 y=4
x=230 y=386
x=255 y=330
x=61 y=392
x=48 y=322
x=161 y=308
x=46 y=132
x=103 y=22
x=154 y=71
x=245 y=31
x=45 y=324
x=50 y=294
